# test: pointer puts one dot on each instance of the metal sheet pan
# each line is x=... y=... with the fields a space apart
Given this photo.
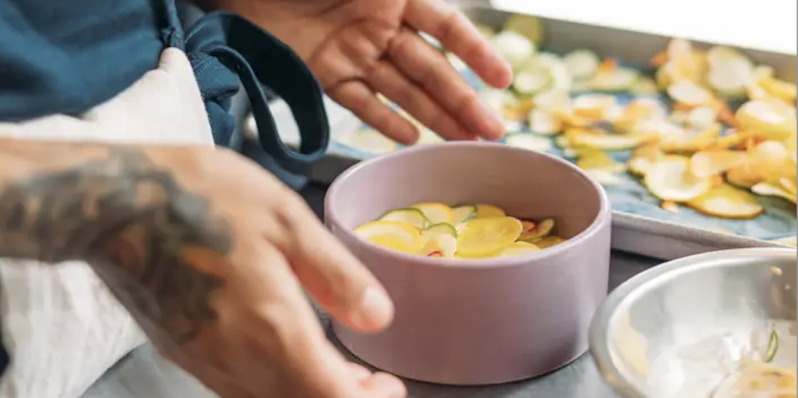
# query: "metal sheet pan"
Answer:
x=661 y=239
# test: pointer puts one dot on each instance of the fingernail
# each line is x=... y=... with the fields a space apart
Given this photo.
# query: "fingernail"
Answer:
x=374 y=312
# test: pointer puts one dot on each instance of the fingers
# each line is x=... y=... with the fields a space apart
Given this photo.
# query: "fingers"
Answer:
x=377 y=384
x=358 y=98
x=428 y=68
x=328 y=271
x=388 y=80
x=443 y=21
x=383 y=385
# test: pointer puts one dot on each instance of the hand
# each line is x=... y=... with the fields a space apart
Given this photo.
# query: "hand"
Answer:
x=209 y=253
x=358 y=48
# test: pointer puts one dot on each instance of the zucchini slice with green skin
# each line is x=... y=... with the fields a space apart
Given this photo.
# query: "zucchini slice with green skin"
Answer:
x=542 y=230
x=441 y=228
x=773 y=347
x=464 y=213
x=411 y=216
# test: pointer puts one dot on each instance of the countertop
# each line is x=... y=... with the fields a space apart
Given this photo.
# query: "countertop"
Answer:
x=145 y=375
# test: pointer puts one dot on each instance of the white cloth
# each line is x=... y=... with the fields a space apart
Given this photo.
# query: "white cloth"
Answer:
x=61 y=326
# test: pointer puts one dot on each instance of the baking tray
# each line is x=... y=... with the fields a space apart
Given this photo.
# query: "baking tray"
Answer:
x=637 y=227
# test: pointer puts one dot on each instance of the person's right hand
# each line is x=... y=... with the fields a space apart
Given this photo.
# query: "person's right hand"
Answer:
x=211 y=254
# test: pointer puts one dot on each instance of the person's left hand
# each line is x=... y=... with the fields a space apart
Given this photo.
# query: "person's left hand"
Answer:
x=359 y=48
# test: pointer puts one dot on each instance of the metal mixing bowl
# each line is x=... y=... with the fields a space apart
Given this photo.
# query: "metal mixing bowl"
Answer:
x=680 y=329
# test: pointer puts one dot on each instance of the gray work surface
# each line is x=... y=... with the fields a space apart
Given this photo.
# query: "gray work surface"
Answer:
x=144 y=375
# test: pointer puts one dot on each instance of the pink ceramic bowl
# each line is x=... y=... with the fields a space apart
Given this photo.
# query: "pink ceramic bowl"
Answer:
x=475 y=322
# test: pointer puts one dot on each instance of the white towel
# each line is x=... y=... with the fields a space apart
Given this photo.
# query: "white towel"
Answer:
x=61 y=326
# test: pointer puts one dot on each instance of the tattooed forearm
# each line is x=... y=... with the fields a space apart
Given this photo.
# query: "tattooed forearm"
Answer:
x=153 y=242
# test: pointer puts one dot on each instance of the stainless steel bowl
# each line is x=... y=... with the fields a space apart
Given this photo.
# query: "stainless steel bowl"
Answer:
x=680 y=329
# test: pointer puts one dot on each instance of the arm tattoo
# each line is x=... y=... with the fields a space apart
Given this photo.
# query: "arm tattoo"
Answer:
x=156 y=245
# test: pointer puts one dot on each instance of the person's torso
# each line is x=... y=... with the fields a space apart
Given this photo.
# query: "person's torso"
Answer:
x=64 y=57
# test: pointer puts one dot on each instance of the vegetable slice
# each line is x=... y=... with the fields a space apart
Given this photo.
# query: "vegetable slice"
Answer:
x=441 y=228
x=689 y=93
x=542 y=230
x=670 y=179
x=528 y=82
x=773 y=347
x=463 y=213
x=593 y=106
x=598 y=159
x=643 y=158
x=513 y=47
x=726 y=201
x=526 y=25
x=485 y=236
x=613 y=79
x=609 y=142
x=709 y=163
x=411 y=216
x=767 y=189
x=772 y=119
x=444 y=244
x=549 y=241
x=396 y=235
x=744 y=175
x=435 y=213
x=486 y=211
x=543 y=122
x=527 y=225
x=581 y=64
x=529 y=141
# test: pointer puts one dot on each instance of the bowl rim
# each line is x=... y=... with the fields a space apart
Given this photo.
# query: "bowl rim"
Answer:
x=599 y=325
x=602 y=217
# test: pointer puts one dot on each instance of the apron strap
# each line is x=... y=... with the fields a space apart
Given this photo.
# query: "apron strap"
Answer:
x=224 y=48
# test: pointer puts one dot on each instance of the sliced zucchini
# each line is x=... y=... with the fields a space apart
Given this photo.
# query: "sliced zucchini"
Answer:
x=543 y=122
x=435 y=213
x=581 y=64
x=528 y=26
x=411 y=216
x=552 y=100
x=532 y=81
x=731 y=82
x=527 y=225
x=549 y=241
x=530 y=142
x=489 y=211
x=513 y=47
x=560 y=78
x=542 y=230
x=464 y=213
x=773 y=347
x=644 y=85
x=615 y=79
x=441 y=228
x=689 y=93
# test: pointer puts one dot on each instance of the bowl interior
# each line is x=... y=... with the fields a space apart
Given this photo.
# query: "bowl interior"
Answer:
x=525 y=184
x=682 y=332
